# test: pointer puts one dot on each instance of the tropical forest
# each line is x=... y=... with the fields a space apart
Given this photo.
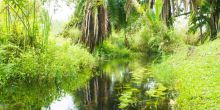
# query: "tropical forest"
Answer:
x=109 y=55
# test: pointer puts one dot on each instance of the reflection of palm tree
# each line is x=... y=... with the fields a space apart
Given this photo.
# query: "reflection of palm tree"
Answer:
x=98 y=94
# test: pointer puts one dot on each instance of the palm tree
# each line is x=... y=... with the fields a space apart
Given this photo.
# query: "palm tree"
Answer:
x=205 y=13
x=95 y=23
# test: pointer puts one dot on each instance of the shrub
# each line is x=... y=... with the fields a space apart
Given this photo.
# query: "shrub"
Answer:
x=73 y=33
x=114 y=47
x=57 y=60
x=154 y=41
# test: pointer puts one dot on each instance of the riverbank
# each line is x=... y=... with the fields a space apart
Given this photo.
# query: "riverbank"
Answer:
x=115 y=84
x=195 y=73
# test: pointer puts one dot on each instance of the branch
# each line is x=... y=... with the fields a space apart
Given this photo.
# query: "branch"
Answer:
x=182 y=14
x=23 y=22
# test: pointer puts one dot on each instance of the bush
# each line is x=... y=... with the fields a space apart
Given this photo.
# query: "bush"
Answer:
x=158 y=40
x=73 y=33
x=114 y=47
x=57 y=60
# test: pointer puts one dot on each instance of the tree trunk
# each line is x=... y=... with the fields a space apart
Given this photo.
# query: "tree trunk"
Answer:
x=213 y=27
x=214 y=18
x=95 y=25
x=151 y=4
x=166 y=13
x=126 y=40
x=102 y=24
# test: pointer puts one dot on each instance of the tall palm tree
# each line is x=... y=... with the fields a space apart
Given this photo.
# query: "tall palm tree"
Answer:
x=95 y=23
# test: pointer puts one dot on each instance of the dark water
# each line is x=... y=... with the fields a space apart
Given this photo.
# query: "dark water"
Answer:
x=116 y=85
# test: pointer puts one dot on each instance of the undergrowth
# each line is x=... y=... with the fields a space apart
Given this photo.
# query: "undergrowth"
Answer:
x=58 y=59
x=114 y=47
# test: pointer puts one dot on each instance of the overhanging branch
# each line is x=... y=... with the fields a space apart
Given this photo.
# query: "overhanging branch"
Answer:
x=182 y=14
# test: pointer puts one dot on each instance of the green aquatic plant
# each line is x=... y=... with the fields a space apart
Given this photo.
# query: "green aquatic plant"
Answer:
x=158 y=91
x=143 y=91
x=128 y=98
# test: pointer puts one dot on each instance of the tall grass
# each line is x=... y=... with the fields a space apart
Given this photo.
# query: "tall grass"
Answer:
x=23 y=23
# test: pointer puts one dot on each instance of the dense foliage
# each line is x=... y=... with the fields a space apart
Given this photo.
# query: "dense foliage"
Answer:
x=27 y=53
x=182 y=69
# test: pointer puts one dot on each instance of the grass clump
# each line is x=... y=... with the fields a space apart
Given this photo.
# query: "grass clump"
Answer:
x=194 y=72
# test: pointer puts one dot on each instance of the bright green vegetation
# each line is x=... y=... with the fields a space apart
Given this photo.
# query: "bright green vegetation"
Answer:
x=27 y=52
x=114 y=47
x=160 y=54
x=63 y=59
x=194 y=72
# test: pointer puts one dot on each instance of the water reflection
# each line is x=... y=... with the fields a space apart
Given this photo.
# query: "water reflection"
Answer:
x=115 y=85
x=63 y=103
x=121 y=85
x=38 y=94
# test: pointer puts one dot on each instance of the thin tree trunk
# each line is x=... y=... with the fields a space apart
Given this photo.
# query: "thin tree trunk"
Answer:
x=166 y=13
x=126 y=40
x=151 y=4
x=213 y=20
x=213 y=28
x=201 y=34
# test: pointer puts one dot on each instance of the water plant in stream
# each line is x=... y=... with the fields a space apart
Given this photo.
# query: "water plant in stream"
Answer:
x=143 y=92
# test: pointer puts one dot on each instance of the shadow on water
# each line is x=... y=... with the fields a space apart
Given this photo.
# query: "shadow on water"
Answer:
x=117 y=84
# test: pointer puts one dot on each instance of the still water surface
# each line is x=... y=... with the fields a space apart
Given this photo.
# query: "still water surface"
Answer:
x=115 y=85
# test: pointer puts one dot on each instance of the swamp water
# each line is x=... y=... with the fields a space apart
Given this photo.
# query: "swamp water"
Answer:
x=115 y=85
